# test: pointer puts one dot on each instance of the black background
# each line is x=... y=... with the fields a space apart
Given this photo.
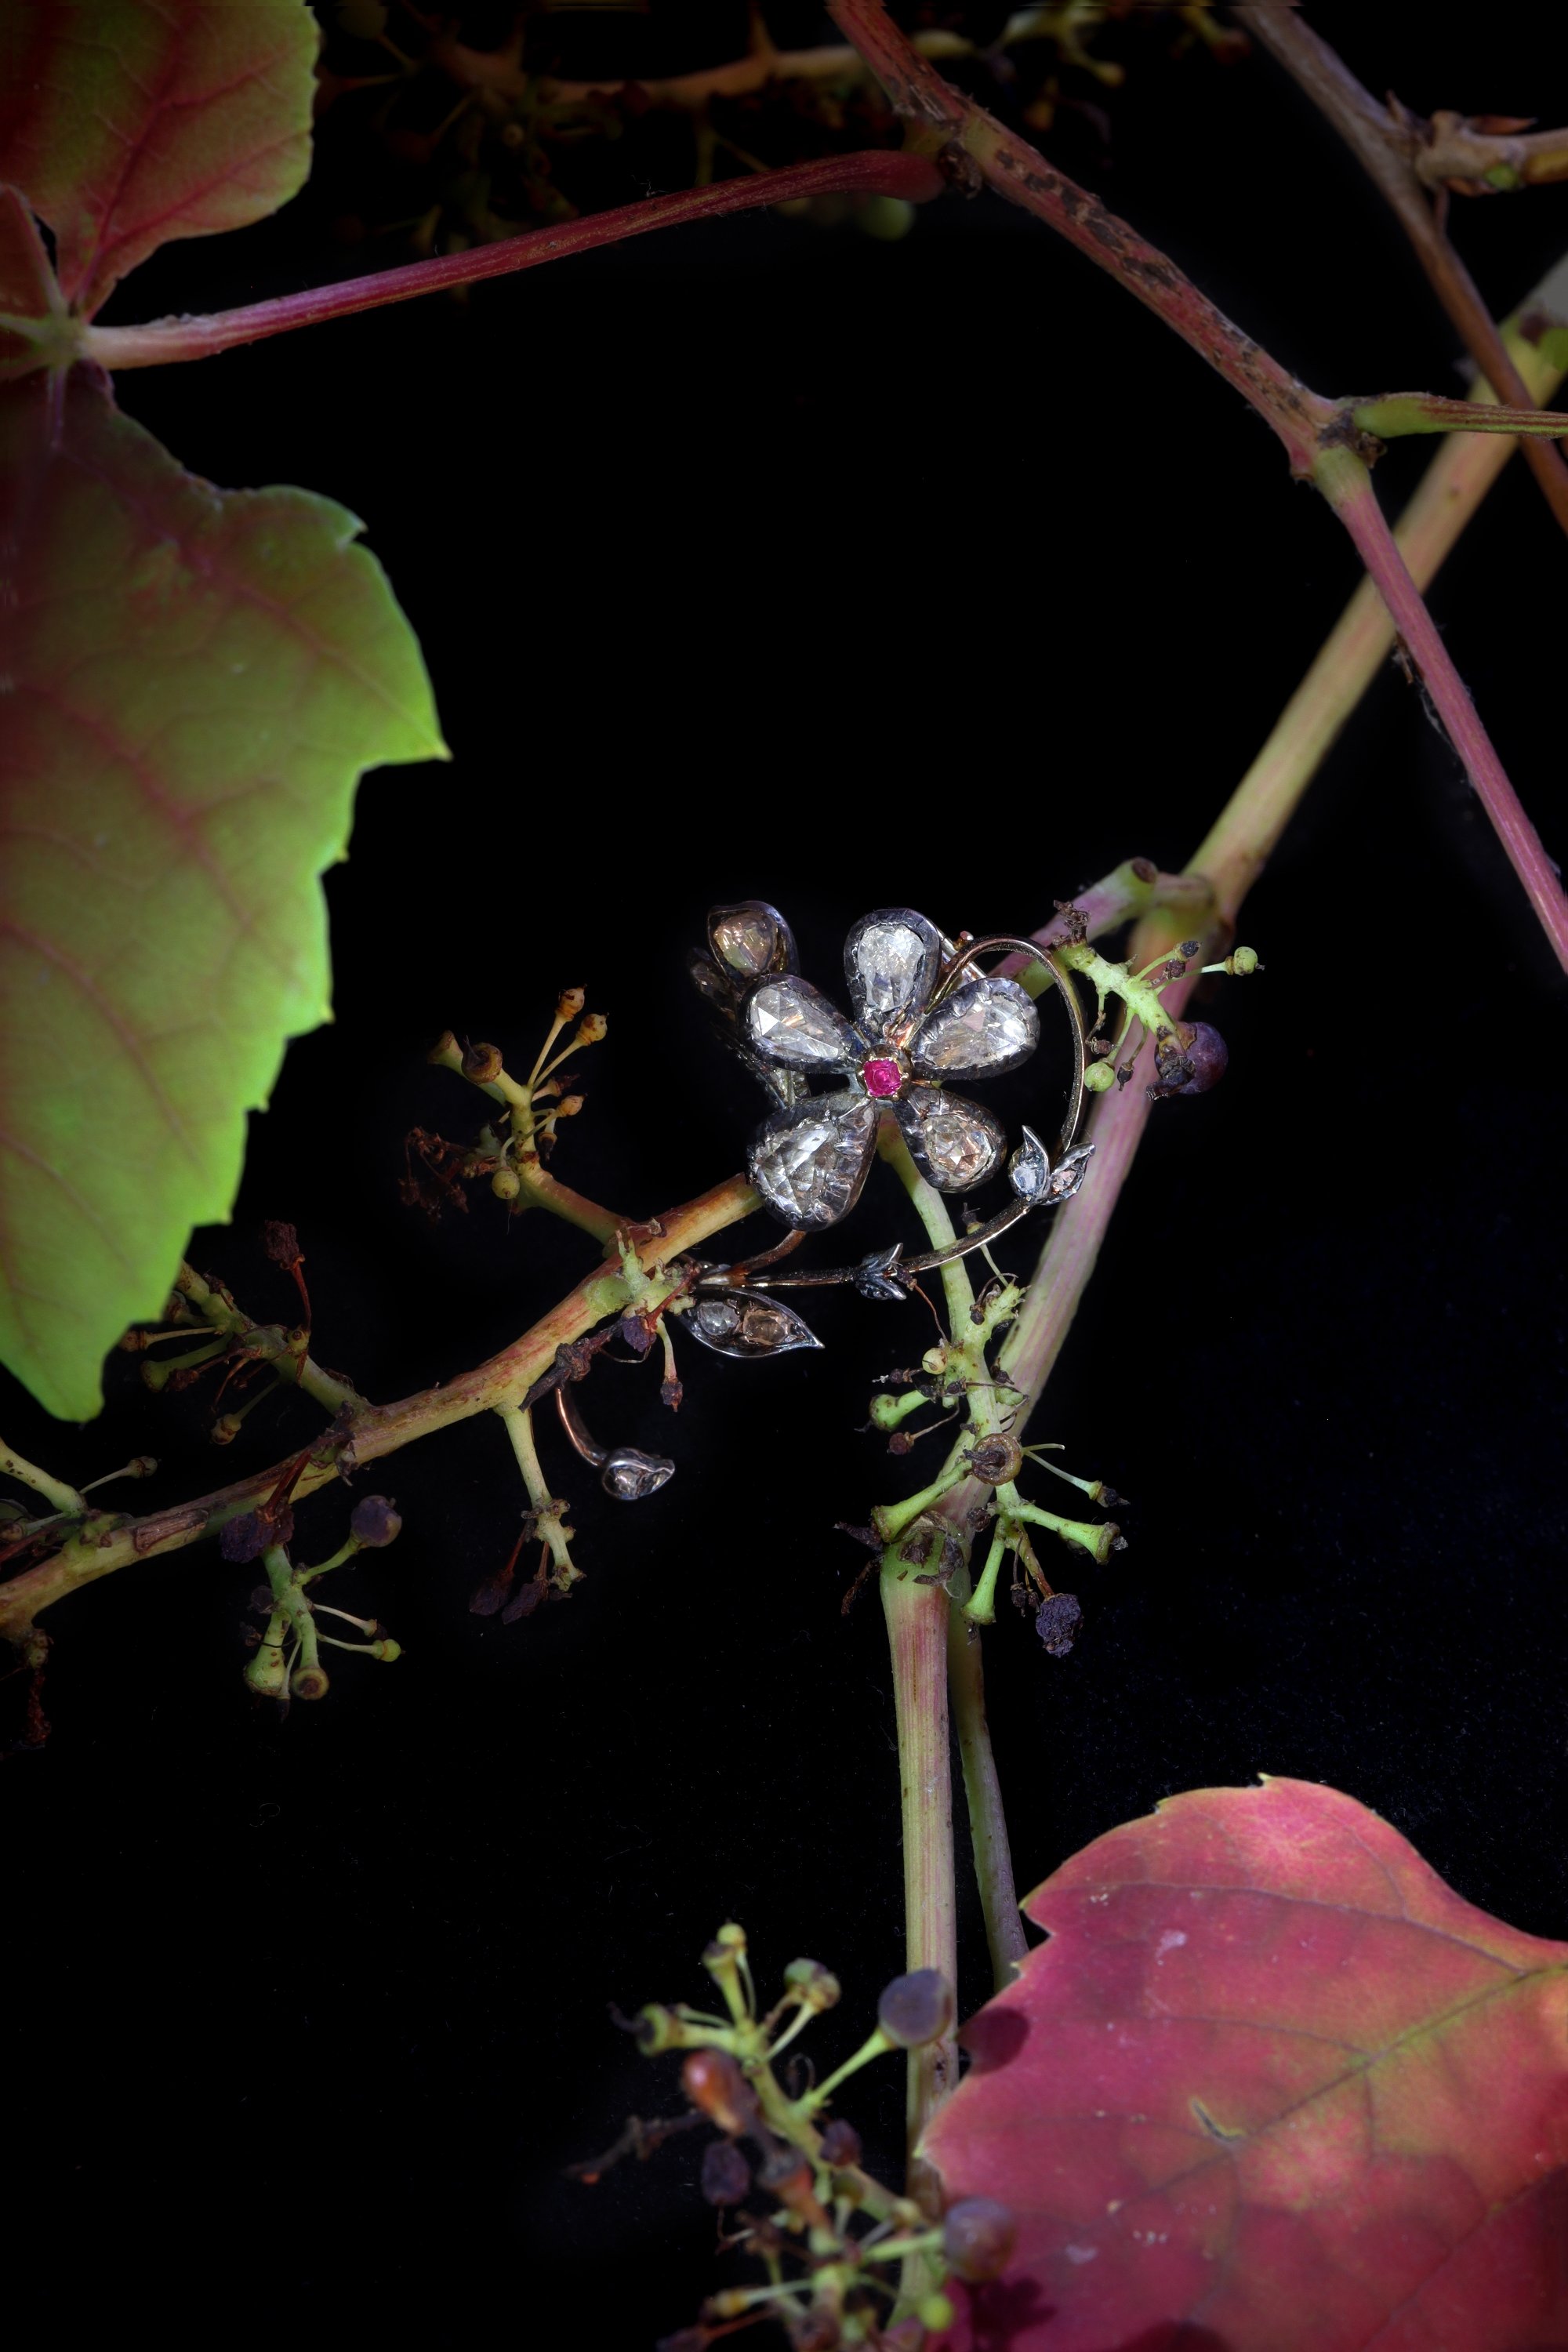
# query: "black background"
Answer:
x=757 y=559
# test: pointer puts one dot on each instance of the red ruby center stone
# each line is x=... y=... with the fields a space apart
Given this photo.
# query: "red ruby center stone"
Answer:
x=882 y=1077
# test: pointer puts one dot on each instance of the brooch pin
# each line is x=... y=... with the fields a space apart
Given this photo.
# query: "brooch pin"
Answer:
x=921 y=1014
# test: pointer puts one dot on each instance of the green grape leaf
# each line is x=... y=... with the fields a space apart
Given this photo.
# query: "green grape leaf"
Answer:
x=128 y=124
x=191 y=683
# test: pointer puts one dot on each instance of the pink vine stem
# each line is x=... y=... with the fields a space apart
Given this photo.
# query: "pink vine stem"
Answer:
x=874 y=172
x=1314 y=430
x=1346 y=484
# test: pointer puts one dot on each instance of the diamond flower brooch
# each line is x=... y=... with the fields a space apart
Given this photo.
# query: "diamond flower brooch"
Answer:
x=921 y=1015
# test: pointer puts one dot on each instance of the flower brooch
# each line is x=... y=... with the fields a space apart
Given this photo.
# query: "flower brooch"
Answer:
x=922 y=1016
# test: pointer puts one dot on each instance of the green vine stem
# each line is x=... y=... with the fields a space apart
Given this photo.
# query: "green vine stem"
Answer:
x=48 y=1489
x=105 y=1542
x=1319 y=437
x=1004 y=1936
x=1236 y=850
x=917 y=1636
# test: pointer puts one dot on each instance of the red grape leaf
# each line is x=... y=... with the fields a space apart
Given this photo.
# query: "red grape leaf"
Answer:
x=127 y=124
x=191 y=682
x=1271 y=2086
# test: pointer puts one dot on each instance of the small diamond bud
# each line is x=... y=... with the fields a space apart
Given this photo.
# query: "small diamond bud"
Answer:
x=915 y=2009
x=935 y=2312
x=712 y=2081
x=506 y=1184
x=375 y=1522
x=482 y=1064
x=840 y=2143
x=569 y=1003
x=977 y=2237
x=590 y=1029
x=1099 y=1078
x=1243 y=963
x=815 y=1986
x=726 y=2175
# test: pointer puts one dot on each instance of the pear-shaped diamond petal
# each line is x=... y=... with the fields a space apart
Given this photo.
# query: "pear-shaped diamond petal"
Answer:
x=789 y=1021
x=955 y=1142
x=750 y=937
x=809 y=1162
x=985 y=1027
x=746 y=1324
x=890 y=961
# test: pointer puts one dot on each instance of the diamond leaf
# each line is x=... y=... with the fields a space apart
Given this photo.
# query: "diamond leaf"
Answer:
x=1271 y=2086
x=191 y=683
x=128 y=124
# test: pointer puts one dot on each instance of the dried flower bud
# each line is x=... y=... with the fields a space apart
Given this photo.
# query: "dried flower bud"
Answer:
x=483 y=1064
x=225 y=1428
x=633 y=1332
x=997 y=1459
x=713 y=2081
x=281 y=1242
x=840 y=2143
x=978 y=2237
x=815 y=1986
x=726 y=2175
x=590 y=1029
x=506 y=1183
x=568 y=1107
x=915 y=2009
x=375 y=1522
x=1056 y=1622
x=569 y=1003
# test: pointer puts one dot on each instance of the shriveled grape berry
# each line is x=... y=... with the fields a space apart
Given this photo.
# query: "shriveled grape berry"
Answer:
x=375 y=1522
x=915 y=2009
x=1057 y=1622
x=977 y=2237
x=840 y=2143
x=726 y=2175
x=1193 y=1068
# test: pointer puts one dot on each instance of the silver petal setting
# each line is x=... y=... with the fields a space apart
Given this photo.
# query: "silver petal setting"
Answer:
x=1029 y=1169
x=747 y=1325
x=955 y=1141
x=890 y=961
x=809 y=1161
x=789 y=1021
x=751 y=938
x=984 y=1028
